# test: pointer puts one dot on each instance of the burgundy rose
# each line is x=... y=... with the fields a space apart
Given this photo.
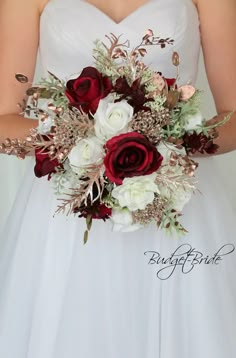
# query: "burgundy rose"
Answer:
x=44 y=165
x=86 y=91
x=129 y=155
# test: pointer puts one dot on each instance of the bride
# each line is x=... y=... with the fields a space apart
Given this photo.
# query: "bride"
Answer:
x=112 y=298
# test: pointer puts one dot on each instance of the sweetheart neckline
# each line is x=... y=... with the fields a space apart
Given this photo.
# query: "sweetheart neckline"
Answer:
x=141 y=7
x=108 y=18
x=94 y=8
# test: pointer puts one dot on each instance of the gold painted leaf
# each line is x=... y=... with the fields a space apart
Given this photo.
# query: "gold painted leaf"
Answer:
x=32 y=90
x=85 y=237
x=89 y=221
x=172 y=99
x=21 y=78
x=55 y=77
x=175 y=59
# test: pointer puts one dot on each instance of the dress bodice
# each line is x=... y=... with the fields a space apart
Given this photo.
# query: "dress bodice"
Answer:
x=69 y=28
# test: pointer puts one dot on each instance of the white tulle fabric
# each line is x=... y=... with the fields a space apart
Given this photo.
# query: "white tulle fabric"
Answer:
x=62 y=299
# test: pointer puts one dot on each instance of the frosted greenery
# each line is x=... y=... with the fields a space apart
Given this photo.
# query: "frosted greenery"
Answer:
x=53 y=89
x=147 y=79
x=158 y=104
x=63 y=180
x=170 y=223
x=189 y=108
x=104 y=64
x=110 y=202
x=180 y=116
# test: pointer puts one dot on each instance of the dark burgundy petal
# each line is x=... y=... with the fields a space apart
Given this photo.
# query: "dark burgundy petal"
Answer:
x=170 y=81
x=44 y=165
x=91 y=72
x=130 y=154
x=86 y=91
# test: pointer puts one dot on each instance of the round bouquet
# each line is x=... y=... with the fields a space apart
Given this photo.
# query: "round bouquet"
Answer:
x=116 y=140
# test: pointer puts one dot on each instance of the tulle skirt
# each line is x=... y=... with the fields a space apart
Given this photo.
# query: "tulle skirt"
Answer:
x=122 y=295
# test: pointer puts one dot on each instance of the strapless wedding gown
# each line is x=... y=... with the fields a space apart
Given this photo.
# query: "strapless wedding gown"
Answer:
x=108 y=298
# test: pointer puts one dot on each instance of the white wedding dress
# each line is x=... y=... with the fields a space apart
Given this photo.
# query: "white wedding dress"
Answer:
x=62 y=299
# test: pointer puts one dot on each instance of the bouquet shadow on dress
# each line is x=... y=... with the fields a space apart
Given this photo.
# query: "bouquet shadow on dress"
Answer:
x=116 y=141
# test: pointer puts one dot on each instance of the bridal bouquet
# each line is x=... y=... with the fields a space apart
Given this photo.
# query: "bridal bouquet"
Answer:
x=116 y=140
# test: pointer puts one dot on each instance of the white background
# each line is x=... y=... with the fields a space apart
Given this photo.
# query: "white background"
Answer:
x=12 y=169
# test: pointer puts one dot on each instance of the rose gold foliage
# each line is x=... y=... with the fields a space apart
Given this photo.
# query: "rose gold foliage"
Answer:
x=188 y=165
x=67 y=130
x=85 y=191
x=175 y=59
x=158 y=104
x=150 y=39
x=152 y=211
x=172 y=181
x=150 y=124
x=16 y=147
x=131 y=58
x=71 y=127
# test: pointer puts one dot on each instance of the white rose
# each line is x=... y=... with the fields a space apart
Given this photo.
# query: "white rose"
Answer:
x=112 y=118
x=135 y=193
x=167 y=148
x=122 y=221
x=178 y=197
x=86 y=152
x=193 y=121
x=181 y=198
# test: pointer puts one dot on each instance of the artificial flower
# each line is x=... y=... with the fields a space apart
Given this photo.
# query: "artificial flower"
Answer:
x=122 y=220
x=86 y=152
x=86 y=91
x=135 y=193
x=112 y=118
x=130 y=154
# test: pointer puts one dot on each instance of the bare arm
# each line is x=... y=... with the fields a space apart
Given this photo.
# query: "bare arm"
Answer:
x=218 y=33
x=19 y=35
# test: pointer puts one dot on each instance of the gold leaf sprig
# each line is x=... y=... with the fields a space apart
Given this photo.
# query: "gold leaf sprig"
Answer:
x=152 y=212
x=150 y=124
x=48 y=88
x=119 y=60
x=68 y=130
x=19 y=148
x=94 y=182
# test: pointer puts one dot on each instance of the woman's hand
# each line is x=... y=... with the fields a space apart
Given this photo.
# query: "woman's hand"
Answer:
x=218 y=33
